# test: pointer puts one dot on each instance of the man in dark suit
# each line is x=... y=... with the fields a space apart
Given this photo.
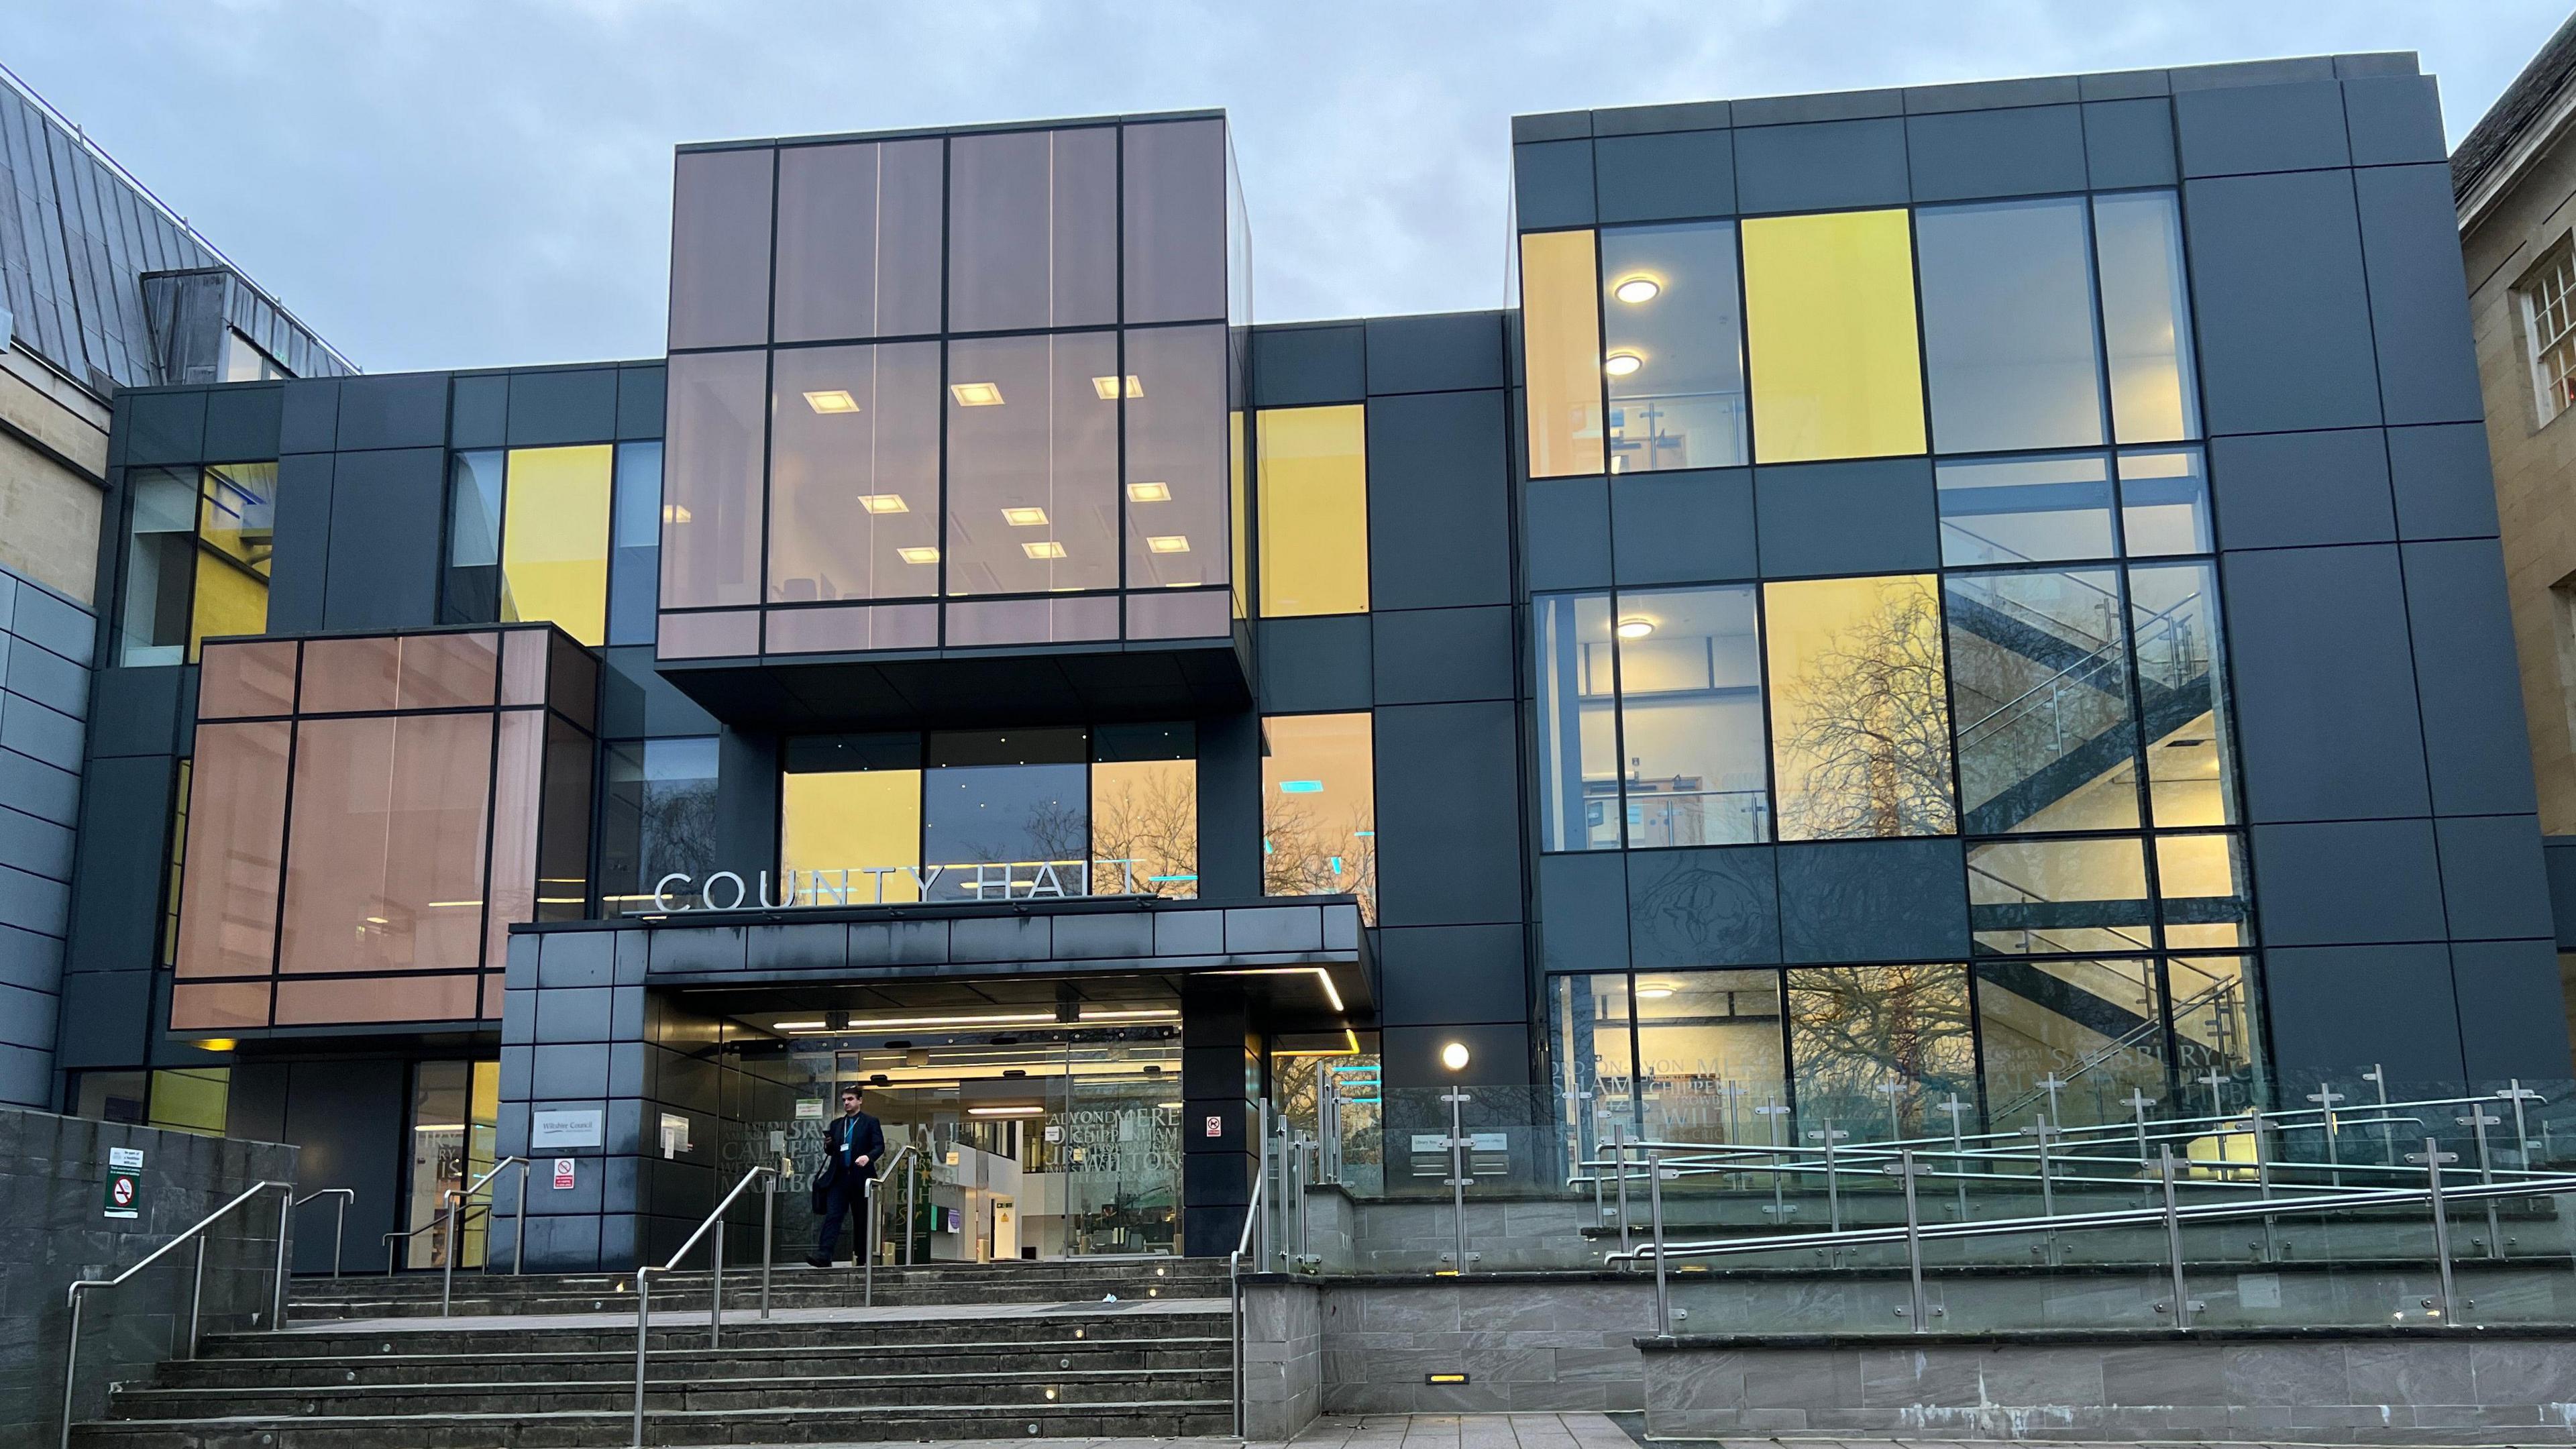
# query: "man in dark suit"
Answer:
x=853 y=1144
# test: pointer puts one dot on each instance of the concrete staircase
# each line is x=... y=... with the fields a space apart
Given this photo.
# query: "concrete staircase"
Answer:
x=958 y=1351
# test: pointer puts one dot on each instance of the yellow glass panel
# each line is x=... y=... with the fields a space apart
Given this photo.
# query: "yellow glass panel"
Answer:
x=1319 y=807
x=1561 y=353
x=554 y=539
x=1145 y=828
x=1314 y=511
x=864 y=822
x=2201 y=868
x=1830 y=332
x=228 y=601
x=236 y=512
x=1238 y=523
x=1860 y=708
x=192 y=1099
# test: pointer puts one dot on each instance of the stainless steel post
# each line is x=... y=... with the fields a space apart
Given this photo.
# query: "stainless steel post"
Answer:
x=1919 y=1305
x=715 y=1290
x=1619 y=1154
x=911 y=1207
x=1458 y=1176
x=1263 y=1121
x=71 y=1369
x=1772 y=1109
x=768 y=1235
x=339 y=1230
x=2047 y=1190
x=1655 y=1211
x=1958 y=1149
x=2433 y=1157
x=447 y=1254
x=2377 y=1076
x=643 y=1328
x=519 y=1227
x=2325 y=1096
x=2478 y=1121
x=2516 y=1093
x=285 y=1209
x=196 y=1297
x=867 y=1243
x=2262 y=1181
x=1833 y=1178
x=2166 y=1170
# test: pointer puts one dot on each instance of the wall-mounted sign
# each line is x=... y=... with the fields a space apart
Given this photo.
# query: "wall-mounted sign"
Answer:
x=1009 y=880
x=125 y=1157
x=675 y=1134
x=810 y=1111
x=550 y=1128
x=564 y=1172
x=124 y=1195
x=1215 y=1125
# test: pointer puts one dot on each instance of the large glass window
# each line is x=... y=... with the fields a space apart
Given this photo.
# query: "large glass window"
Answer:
x=1673 y=347
x=237 y=843
x=2201 y=893
x=2008 y=326
x=2164 y=502
x=2025 y=510
x=1033 y=230
x=1176 y=456
x=1561 y=353
x=1575 y=674
x=854 y=473
x=1590 y=1036
x=1830 y=331
x=1006 y=809
x=1860 y=718
x=720 y=248
x=2146 y=317
x=711 y=495
x=1708 y=1052
x=197 y=558
x=1876 y=1047
x=1314 y=510
x=659 y=817
x=1033 y=464
x=2182 y=686
x=1173 y=237
x=850 y=813
x=1145 y=810
x=1690 y=717
x=1319 y=807
x=554 y=539
x=858 y=240
x=2059 y=897
x=474 y=492
x=389 y=836
x=635 y=544
x=455 y=1115
x=2070 y=1040
x=2039 y=671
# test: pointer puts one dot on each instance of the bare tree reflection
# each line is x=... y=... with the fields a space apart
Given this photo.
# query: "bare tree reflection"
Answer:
x=1873 y=728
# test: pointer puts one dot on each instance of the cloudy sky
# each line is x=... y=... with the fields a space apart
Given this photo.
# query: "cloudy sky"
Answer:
x=461 y=183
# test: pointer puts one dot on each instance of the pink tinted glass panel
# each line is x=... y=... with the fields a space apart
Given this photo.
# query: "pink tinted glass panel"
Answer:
x=709 y=636
x=399 y=998
x=518 y=785
x=385 y=857
x=1186 y=615
x=246 y=679
x=236 y=837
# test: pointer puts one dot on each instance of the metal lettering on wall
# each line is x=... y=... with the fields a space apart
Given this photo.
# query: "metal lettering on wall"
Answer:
x=1024 y=880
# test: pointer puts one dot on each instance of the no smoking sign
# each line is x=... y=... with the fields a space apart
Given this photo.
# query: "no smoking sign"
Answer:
x=124 y=1195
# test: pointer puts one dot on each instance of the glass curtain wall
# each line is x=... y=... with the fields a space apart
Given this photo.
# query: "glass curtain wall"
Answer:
x=196 y=558
x=1319 y=807
x=567 y=536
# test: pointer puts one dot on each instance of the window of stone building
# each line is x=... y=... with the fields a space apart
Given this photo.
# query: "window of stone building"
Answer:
x=2548 y=296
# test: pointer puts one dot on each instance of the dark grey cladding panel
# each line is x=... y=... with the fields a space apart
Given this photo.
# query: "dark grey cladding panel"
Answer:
x=1448 y=814
x=2281 y=303
x=2394 y=120
x=1439 y=656
x=1704 y=907
x=1311 y=666
x=1230 y=807
x=518 y=1018
x=1552 y=126
x=138 y=712
x=573 y=1014
x=2513 y=1016
x=165 y=427
x=568 y=1070
x=1878 y=516
x=2558 y=855
x=2476 y=741
x=242 y=423
x=2325 y=706
x=571 y=958
x=1818 y=106
x=1102 y=937
x=1552 y=184
x=1991 y=95
x=1873 y=900
x=1644 y=120
x=697 y=948
x=1443 y=352
x=2353 y=882
x=478 y=411
x=309 y=416
x=1675 y=175
x=38 y=788
x=1302 y=366
x=2129 y=143
x=1189 y=933
x=520 y=956
x=823 y=946
x=1251 y=930
x=2495 y=885
x=124 y=839
x=998 y=938
x=1439 y=974
x=898 y=943
x=639 y=402
x=1439 y=501
x=641 y=704
x=106 y=1019
x=386 y=508
x=1583 y=911
x=2115 y=85
x=2419 y=296
x=2234 y=130
x=2284 y=490
x=299 y=566
x=2444 y=486
x=1821 y=167
x=2339 y=1009
x=577 y=406
x=1566 y=533
x=2025 y=151
x=1683 y=528
x=400 y=410
x=1498 y=1055
x=634 y=954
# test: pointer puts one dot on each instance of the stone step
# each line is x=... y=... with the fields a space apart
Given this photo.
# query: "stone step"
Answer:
x=425 y=1283
x=679 y=1334
x=547 y=1365
x=797 y=1286
x=605 y=1390
x=791 y=1423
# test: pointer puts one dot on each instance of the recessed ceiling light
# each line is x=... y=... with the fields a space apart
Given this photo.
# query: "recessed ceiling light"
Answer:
x=1637 y=289
x=1620 y=364
x=976 y=394
x=1006 y=1111
x=795 y=1025
x=1149 y=492
x=1024 y=517
x=1168 y=543
x=920 y=555
x=1635 y=627
x=832 y=400
x=1048 y=549
x=884 y=503
x=1657 y=991
x=1107 y=387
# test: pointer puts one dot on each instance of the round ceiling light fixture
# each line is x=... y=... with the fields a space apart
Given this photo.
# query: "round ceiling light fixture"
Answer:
x=1620 y=364
x=1636 y=290
x=1454 y=1056
x=1635 y=627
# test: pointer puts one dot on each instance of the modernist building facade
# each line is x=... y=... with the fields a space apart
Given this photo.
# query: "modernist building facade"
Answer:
x=1973 y=600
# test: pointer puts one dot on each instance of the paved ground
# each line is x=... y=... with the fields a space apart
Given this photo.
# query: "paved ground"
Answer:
x=749 y=1312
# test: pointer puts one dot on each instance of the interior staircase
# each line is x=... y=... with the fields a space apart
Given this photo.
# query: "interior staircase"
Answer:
x=547 y=1361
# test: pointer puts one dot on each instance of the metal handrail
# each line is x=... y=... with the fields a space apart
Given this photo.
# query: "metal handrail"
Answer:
x=407 y=1234
x=196 y=1231
x=448 y=1203
x=1234 y=1286
x=343 y=1198
x=872 y=1231
x=715 y=1296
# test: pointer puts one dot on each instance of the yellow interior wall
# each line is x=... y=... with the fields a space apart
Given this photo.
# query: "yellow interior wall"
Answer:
x=1314 y=511
x=554 y=539
x=1561 y=353
x=1830 y=335
x=848 y=819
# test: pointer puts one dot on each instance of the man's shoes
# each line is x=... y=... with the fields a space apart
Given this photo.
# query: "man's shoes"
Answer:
x=818 y=1262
